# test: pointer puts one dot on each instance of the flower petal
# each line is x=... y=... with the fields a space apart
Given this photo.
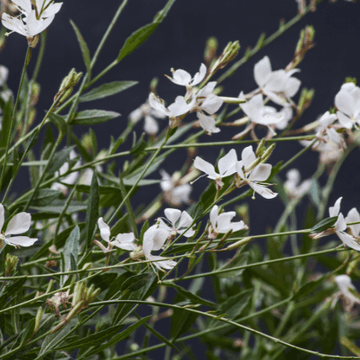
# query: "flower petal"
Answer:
x=260 y=172
x=214 y=215
x=206 y=167
x=263 y=190
x=334 y=210
x=353 y=216
x=345 y=102
x=207 y=123
x=125 y=241
x=262 y=71
x=211 y=104
x=227 y=164
x=248 y=156
x=20 y=241
x=348 y=240
x=19 y=224
x=181 y=77
x=199 y=76
x=104 y=229
x=173 y=215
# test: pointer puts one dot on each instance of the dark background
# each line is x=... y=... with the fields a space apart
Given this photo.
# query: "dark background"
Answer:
x=179 y=43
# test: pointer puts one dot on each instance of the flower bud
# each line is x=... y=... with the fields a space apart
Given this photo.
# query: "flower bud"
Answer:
x=49 y=285
x=38 y=318
x=74 y=311
x=210 y=49
x=252 y=165
x=260 y=148
x=10 y=263
x=305 y=100
x=230 y=51
x=265 y=156
x=66 y=86
x=239 y=243
x=153 y=84
x=78 y=293
x=350 y=79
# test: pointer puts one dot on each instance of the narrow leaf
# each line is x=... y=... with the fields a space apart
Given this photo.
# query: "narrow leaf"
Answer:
x=83 y=47
x=93 y=117
x=107 y=90
x=92 y=212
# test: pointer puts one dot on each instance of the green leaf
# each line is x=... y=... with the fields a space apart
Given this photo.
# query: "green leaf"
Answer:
x=45 y=197
x=307 y=288
x=324 y=224
x=134 y=288
x=124 y=334
x=52 y=339
x=142 y=34
x=239 y=260
x=181 y=321
x=83 y=47
x=6 y=120
x=93 y=117
x=234 y=305
x=93 y=339
x=71 y=251
x=92 y=212
x=28 y=331
x=136 y=39
x=59 y=159
x=106 y=90
x=11 y=288
x=59 y=122
x=189 y=295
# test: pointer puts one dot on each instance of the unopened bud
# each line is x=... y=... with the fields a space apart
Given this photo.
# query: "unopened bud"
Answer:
x=305 y=100
x=35 y=93
x=260 y=148
x=38 y=318
x=153 y=84
x=10 y=263
x=66 y=86
x=78 y=293
x=87 y=266
x=253 y=164
x=265 y=156
x=239 y=243
x=243 y=212
x=210 y=49
x=74 y=311
x=350 y=79
x=32 y=41
x=229 y=53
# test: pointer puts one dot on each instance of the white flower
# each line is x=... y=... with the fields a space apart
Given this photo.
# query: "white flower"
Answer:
x=69 y=179
x=340 y=226
x=151 y=126
x=210 y=103
x=255 y=176
x=349 y=299
x=353 y=216
x=178 y=108
x=182 y=77
x=122 y=241
x=34 y=21
x=278 y=85
x=226 y=165
x=260 y=114
x=179 y=221
x=221 y=223
x=293 y=186
x=347 y=100
x=19 y=224
x=174 y=194
x=154 y=239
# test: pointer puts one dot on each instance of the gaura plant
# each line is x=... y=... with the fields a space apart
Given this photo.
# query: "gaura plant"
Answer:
x=153 y=257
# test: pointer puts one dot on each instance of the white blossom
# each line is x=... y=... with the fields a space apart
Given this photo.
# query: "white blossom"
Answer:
x=226 y=165
x=278 y=85
x=4 y=73
x=174 y=194
x=221 y=223
x=292 y=185
x=182 y=77
x=69 y=179
x=179 y=222
x=340 y=226
x=31 y=22
x=256 y=176
x=122 y=241
x=347 y=100
x=19 y=224
x=258 y=113
x=346 y=291
x=352 y=217
x=154 y=239
x=150 y=115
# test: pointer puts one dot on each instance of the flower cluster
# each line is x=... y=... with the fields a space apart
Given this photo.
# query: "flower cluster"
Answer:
x=202 y=101
x=250 y=170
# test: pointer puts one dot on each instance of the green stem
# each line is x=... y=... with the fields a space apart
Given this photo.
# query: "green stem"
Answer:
x=222 y=319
